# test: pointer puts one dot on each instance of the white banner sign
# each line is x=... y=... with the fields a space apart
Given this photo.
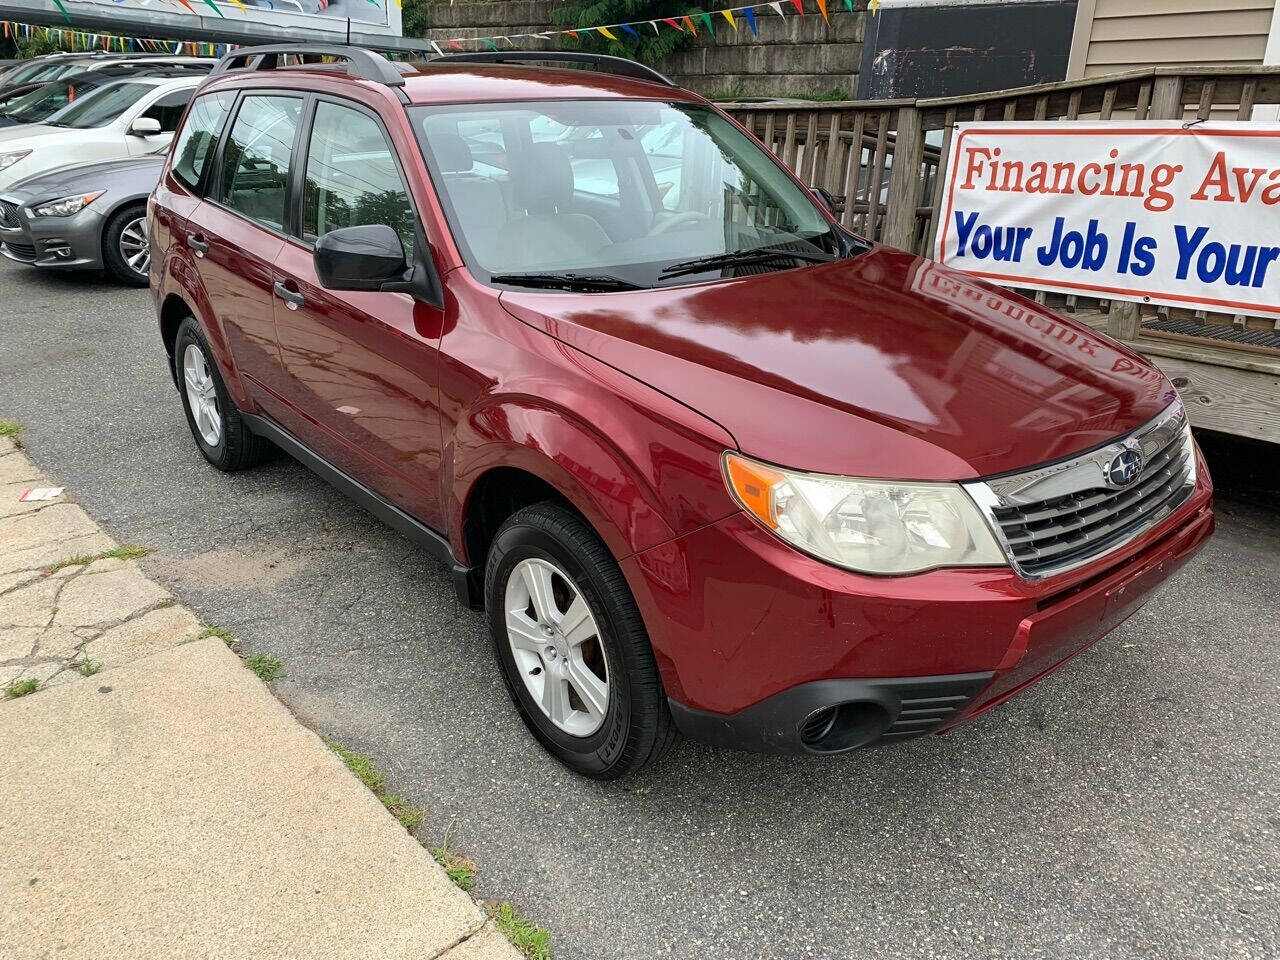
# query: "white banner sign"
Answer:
x=1156 y=212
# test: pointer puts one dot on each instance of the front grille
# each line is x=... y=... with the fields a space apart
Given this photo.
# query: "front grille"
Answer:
x=8 y=214
x=21 y=251
x=1085 y=515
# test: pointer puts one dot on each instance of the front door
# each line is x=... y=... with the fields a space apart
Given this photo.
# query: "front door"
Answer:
x=360 y=367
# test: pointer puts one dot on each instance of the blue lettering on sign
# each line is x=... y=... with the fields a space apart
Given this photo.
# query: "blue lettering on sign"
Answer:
x=982 y=241
x=1237 y=265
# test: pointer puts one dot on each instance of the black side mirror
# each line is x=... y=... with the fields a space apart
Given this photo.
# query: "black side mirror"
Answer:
x=829 y=200
x=360 y=258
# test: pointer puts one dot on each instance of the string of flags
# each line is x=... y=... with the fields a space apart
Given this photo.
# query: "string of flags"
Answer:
x=691 y=23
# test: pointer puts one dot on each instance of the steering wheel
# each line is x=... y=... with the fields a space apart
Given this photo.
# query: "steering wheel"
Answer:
x=685 y=216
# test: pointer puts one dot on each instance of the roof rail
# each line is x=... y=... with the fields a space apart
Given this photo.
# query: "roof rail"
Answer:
x=605 y=64
x=361 y=63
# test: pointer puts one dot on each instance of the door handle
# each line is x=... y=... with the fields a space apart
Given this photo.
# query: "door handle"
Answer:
x=201 y=247
x=292 y=299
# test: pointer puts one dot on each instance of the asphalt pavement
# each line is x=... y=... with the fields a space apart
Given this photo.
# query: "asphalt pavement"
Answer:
x=1129 y=806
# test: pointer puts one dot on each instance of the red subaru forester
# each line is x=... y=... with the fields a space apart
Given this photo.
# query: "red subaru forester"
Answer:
x=710 y=462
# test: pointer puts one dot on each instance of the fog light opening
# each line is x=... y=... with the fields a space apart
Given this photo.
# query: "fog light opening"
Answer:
x=843 y=726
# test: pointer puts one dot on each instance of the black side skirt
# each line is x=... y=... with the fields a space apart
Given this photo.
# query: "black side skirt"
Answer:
x=417 y=531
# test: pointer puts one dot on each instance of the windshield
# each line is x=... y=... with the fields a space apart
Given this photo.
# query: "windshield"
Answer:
x=43 y=102
x=102 y=106
x=638 y=192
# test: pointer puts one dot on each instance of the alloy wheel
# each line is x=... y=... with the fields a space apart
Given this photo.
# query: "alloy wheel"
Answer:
x=135 y=246
x=557 y=647
x=202 y=396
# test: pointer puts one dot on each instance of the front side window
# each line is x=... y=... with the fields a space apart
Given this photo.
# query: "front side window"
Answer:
x=352 y=178
x=45 y=102
x=168 y=109
x=630 y=189
x=255 y=168
x=102 y=106
x=195 y=144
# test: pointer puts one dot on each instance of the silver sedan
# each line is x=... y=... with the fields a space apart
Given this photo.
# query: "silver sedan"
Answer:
x=90 y=216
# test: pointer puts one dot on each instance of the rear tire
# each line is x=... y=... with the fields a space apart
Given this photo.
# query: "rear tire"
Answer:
x=219 y=430
x=613 y=720
x=126 y=246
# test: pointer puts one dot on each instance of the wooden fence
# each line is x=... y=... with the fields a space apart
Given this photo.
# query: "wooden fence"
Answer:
x=886 y=161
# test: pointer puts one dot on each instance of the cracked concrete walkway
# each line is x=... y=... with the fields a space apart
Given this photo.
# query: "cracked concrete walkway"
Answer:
x=167 y=805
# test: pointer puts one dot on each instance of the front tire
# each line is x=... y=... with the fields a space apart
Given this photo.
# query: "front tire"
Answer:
x=219 y=430
x=572 y=647
x=126 y=246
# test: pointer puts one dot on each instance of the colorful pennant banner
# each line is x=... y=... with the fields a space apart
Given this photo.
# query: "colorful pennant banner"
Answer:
x=77 y=41
x=686 y=24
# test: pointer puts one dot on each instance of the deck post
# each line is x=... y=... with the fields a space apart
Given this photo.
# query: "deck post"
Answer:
x=904 y=180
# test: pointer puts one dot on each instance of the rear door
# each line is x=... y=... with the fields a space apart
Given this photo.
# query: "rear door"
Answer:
x=237 y=234
x=360 y=367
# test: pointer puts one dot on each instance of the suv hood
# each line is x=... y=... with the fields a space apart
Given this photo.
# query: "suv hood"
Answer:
x=885 y=365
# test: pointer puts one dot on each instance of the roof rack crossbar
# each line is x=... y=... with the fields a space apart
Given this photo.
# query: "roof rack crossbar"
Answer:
x=605 y=64
x=361 y=63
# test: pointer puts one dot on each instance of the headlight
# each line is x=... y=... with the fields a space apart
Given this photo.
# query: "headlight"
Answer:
x=871 y=526
x=66 y=206
x=7 y=160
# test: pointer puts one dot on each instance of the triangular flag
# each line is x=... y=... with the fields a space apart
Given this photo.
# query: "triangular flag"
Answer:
x=488 y=42
x=631 y=30
x=215 y=8
x=436 y=47
x=751 y=19
x=454 y=43
x=728 y=15
x=675 y=23
x=822 y=6
x=573 y=33
x=874 y=6
x=848 y=5
x=240 y=4
x=655 y=27
x=58 y=4
x=798 y=5
x=689 y=26
x=604 y=32
x=777 y=8
x=185 y=3
x=706 y=19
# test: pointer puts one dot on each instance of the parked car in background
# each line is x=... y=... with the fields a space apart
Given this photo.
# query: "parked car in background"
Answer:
x=709 y=461
x=128 y=118
x=88 y=216
x=41 y=102
x=36 y=68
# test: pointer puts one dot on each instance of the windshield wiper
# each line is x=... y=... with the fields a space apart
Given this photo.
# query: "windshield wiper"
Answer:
x=736 y=258
x=565 y=281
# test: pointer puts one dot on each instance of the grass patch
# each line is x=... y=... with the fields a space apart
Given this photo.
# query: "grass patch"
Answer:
x=362 y=766
x=526 y=936
x=87 y=667
x=461 y=870
x=223 y=634
x=266 y=668
x=13 y=430
x=20 y=688
x=84 y=559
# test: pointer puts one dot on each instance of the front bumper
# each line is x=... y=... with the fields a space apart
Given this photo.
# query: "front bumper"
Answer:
x=68 y=243
x=762 y=648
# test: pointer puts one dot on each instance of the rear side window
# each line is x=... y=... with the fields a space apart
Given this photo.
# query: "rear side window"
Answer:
x=168 y=110
x=255 y=169
x=195 y=143
x=352 y=177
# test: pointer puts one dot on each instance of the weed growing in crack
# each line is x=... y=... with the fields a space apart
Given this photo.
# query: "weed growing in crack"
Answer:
x=267 y=668
x=87 y=667
x=362 y=766
x=126 y=552
x=20 y=688
x=213 y=630
x=13 y=430
x=526 y=936
x=461 y=870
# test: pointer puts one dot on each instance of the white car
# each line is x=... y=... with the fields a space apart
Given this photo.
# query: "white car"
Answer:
x=124 y=119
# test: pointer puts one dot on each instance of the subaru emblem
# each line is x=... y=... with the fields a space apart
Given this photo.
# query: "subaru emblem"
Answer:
x=1124 y=468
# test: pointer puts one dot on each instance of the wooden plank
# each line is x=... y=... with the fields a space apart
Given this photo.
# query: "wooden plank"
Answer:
x=769 y=121
x=1206 y=99
x=877 y=174
x=904 y=180
x=853 y=172
x=789 y=142
x=1144 y=101
x=811 y=149
x=1108 y=103
x=939 y=180
x=831 y=170
x=1243 y=402
x=1123 y=319
x=1248 y=91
